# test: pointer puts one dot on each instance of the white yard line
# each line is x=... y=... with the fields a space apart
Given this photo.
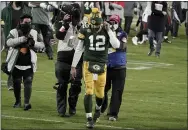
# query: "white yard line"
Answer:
x=138 y=68
x=63 y=121
x=171 y=103
x=154 y=81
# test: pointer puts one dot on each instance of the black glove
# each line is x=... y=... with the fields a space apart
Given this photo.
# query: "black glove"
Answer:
x=30 y=41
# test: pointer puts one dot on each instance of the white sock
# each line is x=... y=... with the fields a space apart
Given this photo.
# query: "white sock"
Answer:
x=88 y=115
x=98 y=107
x=165 y=37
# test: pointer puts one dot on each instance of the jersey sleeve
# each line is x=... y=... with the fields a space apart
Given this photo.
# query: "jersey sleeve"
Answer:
x=81 y=34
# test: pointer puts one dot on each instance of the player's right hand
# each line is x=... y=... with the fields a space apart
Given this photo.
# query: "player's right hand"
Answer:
x=73 y=72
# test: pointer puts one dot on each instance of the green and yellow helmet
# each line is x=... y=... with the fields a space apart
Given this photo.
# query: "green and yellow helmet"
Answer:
x=96 y=18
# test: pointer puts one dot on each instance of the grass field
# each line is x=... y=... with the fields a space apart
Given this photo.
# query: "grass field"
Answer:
x=155 y=94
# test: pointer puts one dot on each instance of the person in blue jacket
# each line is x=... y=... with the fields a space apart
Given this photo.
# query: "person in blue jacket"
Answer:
x=116 y=71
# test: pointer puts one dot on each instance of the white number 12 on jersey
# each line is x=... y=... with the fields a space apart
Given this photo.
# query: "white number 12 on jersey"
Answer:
x=99 y=45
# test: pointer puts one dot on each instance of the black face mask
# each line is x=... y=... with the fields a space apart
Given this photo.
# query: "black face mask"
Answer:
x=19 y=3
x=25 y=28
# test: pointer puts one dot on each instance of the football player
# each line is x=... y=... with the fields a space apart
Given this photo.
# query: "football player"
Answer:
x=94 y=42
x=116 y=71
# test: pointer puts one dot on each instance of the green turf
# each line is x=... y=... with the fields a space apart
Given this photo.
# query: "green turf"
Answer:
x=154 y=98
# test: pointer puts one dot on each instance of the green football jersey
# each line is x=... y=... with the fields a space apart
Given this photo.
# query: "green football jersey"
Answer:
x=96 y=44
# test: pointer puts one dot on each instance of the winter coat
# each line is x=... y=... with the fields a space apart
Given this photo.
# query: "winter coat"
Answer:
x=6 y=16
x=13 y=41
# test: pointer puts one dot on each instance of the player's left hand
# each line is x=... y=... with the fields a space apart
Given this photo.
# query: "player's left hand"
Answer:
x=73 y=72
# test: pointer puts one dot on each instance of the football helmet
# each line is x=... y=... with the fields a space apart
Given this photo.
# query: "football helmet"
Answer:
x=96 y=19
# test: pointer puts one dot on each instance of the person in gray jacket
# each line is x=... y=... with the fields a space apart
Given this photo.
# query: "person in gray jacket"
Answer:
x=176 y=17
x=22 y=59
x=128 y=15
x=41 y=23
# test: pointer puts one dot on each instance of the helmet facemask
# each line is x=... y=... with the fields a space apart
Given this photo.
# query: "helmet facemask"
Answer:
x=96 y=21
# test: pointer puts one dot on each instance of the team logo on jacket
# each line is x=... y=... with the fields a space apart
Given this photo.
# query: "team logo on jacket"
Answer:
x=96 y=67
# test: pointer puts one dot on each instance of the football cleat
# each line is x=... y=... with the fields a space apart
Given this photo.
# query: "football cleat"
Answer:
x=111 y=118
x=96 y=115
x=90 y=123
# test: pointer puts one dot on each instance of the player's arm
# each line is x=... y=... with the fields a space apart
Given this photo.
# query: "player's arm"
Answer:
x=78 y=53
x=113 y=39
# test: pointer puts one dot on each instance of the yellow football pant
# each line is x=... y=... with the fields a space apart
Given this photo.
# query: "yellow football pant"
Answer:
x=93 y=85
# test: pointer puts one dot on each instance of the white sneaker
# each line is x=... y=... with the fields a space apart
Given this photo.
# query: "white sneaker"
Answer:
x=112 y=118
x=134 y=40
x=140 y=42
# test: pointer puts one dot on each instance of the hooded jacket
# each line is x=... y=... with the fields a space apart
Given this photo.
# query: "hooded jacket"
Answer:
x=6 y=16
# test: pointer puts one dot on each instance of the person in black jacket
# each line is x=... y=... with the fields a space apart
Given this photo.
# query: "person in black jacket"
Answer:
x=156 y=25
x=66 y=31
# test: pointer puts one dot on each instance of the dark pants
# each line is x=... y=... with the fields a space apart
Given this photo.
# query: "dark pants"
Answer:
x=27 y=76
x=139 y=21
x=168 y=26
x=159 y=38
x=175 y=27
x=116 y=79
x=62 y=71
x=46 y=33
x=128 y=22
